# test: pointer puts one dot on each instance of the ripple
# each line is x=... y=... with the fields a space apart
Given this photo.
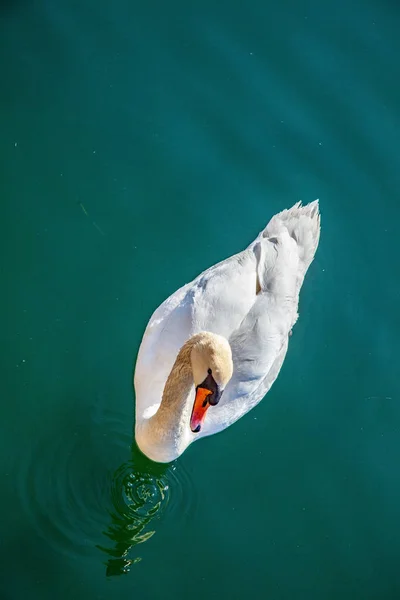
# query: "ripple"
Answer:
x=184 y=500
x=64 y=481
x=85 y=486
x=142 y=493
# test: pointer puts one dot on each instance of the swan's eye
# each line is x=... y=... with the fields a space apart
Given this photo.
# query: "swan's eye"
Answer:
x=209 y=371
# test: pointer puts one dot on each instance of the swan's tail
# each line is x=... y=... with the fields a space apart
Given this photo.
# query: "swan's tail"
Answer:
x=303 y=223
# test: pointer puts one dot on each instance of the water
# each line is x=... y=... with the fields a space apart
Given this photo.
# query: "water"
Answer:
x=141 y=143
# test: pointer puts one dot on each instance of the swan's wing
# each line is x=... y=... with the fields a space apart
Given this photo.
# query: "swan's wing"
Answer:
x=258 y=348
x=259 y=344
x=217 y=300
x=284 y=251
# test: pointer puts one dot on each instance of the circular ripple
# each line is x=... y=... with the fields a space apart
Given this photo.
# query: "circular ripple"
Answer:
x=84 y=487
x=64 y=481
x=184 y=499
x=142 y=492
x=138 y=494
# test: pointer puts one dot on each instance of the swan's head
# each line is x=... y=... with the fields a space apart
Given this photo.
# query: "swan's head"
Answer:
x=212 y=367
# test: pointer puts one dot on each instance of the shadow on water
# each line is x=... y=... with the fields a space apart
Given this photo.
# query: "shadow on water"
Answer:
x=140 y=492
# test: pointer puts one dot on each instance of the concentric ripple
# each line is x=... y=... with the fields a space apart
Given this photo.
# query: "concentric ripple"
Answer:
x=84 y=489
x=142 y=492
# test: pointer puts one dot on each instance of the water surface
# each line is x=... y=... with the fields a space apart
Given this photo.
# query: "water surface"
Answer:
x=141 y=143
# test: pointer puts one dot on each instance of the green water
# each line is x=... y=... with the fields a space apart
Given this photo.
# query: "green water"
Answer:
x=139 y=144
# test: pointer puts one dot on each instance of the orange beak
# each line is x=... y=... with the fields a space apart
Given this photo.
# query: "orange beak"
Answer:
x=200 y=408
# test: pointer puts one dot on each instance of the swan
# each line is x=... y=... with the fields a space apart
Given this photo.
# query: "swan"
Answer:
x=213 y=349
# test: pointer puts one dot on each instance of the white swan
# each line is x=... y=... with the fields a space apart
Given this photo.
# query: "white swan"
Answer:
x=213 y=349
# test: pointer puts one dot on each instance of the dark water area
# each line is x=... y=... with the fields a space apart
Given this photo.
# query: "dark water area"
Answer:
x=141 y=143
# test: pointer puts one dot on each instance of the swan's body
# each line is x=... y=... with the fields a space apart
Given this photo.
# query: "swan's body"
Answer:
x=239 y=311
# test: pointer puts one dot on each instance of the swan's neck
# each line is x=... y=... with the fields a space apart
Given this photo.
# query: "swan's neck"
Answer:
x=166 y=434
